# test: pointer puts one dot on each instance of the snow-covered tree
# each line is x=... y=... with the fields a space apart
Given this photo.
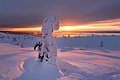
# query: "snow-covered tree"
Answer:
x=48 y=48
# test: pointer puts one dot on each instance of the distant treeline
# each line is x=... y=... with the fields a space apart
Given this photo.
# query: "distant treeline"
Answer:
x=37 y=33
x=96 y=31
x=20 y=32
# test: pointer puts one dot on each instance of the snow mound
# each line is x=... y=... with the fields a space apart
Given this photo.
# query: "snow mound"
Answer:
x=21 y=64
x=36 y=70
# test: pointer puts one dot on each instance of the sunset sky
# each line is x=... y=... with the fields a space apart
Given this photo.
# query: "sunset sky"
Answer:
x=75 y=15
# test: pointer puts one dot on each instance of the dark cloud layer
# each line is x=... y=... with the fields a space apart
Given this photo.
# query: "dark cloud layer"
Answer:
x=20 y=13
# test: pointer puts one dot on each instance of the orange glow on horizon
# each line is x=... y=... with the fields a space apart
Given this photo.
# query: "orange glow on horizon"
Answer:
x=26 y=29
x=69 y=28
x=108 y=25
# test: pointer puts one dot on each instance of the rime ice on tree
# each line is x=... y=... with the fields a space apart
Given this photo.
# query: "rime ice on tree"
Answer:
x=48 y=48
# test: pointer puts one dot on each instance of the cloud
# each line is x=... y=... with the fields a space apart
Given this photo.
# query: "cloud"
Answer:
x=28 y=13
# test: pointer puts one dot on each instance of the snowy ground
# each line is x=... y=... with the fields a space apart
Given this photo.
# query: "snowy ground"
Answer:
x=79 y=58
